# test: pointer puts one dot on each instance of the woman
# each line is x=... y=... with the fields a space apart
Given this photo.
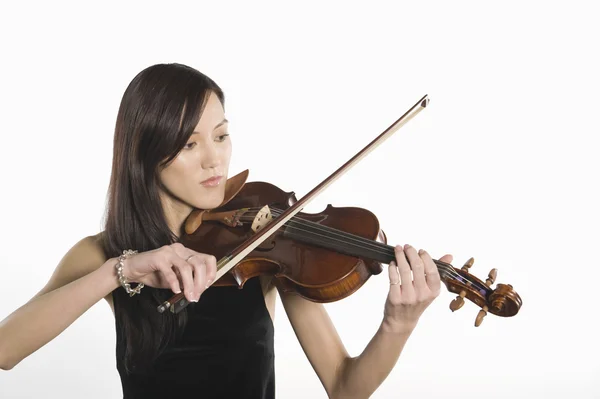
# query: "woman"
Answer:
x=171 y=155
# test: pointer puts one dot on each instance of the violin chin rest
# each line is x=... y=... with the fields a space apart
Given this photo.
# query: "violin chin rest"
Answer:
x=233 y=185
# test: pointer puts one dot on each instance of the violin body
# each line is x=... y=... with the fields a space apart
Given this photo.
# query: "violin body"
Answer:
x=295 y=259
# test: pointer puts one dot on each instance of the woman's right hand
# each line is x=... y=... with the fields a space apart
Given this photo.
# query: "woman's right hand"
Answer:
x=173 y=266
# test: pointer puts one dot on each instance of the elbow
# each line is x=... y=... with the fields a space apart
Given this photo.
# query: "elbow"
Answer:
x=9 y=356
x=336 y=389
x=343 y=387
x=6 y=367
x=349 y=395
x=5 y=364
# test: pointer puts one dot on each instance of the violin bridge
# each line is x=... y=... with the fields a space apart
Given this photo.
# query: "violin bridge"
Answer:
x=263 y=217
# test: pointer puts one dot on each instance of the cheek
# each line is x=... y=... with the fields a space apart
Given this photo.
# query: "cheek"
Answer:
x=228 y=156
x=177 y=178
x=227 y=150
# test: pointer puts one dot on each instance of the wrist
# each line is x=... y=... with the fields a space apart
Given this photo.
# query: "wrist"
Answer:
x=125 y=270
x=394 y=326
x=123 y=280
x=109 y=269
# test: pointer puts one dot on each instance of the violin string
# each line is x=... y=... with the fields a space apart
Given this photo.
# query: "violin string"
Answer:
x=362 y=242
x=379 y=248
x=375 y=246
x=389 y=252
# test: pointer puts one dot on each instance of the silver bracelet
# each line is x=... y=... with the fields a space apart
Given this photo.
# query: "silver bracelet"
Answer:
x=119 y=266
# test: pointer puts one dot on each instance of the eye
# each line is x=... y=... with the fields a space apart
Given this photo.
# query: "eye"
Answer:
x=189 y=146
x=223 y=137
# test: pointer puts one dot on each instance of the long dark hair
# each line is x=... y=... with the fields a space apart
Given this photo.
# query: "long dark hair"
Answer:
x=158 y=113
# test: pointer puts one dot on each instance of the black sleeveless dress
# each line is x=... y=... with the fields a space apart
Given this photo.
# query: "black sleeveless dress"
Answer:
x=226 y=351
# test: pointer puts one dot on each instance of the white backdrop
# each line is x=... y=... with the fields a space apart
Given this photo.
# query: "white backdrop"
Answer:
x=502 y=166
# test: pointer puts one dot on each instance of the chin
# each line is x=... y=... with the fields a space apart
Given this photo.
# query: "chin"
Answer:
x=210 y=200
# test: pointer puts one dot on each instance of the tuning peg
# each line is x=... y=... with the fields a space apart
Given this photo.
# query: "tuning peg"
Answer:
x=458 y=302
x=468 y=265
x=491 y=277
x=482 y=313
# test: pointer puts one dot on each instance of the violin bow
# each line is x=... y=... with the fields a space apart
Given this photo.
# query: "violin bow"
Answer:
x=178 y=302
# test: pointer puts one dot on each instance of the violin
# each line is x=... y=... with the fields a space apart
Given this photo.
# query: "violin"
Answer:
x=259 y=229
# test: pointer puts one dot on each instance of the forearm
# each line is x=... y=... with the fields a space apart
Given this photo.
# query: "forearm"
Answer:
x=43 y=318
x=361 y=376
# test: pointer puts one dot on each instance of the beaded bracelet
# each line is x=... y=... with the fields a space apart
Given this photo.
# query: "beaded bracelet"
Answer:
x=119 y=266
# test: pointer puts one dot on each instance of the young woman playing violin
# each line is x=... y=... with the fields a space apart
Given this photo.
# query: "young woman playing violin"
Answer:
x=171 y=156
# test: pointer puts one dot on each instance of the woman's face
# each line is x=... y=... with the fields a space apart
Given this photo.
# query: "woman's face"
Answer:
x=205 y=155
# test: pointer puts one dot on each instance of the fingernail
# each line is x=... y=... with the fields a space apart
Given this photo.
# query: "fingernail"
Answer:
x=208 y=282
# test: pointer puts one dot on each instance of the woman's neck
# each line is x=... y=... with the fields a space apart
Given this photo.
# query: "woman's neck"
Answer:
x=176 y=212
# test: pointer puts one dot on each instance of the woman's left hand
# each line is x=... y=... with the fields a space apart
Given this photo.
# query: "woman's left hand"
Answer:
x=410 y=295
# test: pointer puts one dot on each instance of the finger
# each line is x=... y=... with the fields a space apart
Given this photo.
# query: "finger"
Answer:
x=187 y=278
x=418 y=267
x=445 y=269
x=197 y=269
x=210 y=265
x=393 y=274
x=404 y=270
x=199 y=277
x=432 y=275
x=169 y=275
x=211 y=269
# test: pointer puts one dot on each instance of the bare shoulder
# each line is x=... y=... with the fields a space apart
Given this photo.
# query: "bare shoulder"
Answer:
x=83 y=258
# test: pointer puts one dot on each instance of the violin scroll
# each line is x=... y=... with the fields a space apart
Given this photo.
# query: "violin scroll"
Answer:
x=501 y=301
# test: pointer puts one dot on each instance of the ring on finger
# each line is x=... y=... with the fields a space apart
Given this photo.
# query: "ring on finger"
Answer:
x=189 y=257
x=396 y=283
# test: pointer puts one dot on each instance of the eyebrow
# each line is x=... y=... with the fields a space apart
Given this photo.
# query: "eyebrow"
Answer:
x=224 y=121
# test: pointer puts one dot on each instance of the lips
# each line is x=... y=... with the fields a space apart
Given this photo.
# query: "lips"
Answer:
x=212 y=181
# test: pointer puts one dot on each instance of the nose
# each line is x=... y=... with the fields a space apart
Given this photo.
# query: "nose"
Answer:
x=211 y=158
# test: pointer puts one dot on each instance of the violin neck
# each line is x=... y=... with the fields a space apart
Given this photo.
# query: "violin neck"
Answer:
x=343 y=242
